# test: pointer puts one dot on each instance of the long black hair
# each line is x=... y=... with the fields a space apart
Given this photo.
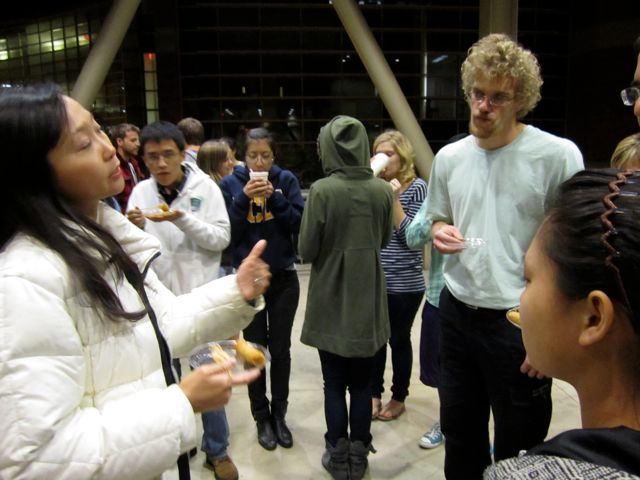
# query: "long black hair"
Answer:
x=592 y=235
x=260 y=133
x=32 y=120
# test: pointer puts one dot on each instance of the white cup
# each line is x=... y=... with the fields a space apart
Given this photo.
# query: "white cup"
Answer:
x=379 y=163
x=258 y=175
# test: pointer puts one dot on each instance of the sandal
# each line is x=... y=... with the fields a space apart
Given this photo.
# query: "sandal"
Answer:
x=376 y=405
x=391 y=411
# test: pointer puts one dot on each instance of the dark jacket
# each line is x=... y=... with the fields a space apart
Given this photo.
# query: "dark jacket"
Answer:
x=585 y=453
x=348 y=219
x=129 y=180
x=278 y=221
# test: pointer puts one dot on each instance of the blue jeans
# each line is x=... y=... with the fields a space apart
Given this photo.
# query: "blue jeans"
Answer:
x=215 y=438
x=402 y=310
x=340 y=373
x=272 y=328
x=480 y=358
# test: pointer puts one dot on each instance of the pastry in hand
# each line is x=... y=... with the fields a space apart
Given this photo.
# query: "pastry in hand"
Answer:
x=250 y=354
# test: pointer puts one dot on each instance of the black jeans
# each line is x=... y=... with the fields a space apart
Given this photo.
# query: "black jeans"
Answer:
x=340 y=373
x=402 y=310
x=480 y=358
x=272 y=328
x=430 y=345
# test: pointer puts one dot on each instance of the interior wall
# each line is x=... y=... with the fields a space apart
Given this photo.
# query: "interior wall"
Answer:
x=602 y=63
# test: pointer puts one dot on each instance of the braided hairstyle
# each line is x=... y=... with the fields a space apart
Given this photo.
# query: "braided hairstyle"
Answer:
x=592 y=235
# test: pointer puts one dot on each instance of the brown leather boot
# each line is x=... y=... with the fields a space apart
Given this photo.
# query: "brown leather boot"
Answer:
x=223 y=467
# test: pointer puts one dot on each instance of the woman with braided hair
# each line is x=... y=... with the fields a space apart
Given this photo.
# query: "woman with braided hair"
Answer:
x=580 y=319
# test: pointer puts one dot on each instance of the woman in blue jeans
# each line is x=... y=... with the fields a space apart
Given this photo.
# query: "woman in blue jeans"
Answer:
x=215 y=159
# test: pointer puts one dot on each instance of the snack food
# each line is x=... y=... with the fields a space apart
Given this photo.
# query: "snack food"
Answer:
x=222 y=350
x=513 y=316
x=161 y=212
x=218 y=354
x=250 y=354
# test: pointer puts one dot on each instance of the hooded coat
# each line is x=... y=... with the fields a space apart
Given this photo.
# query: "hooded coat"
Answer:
x=348 y=219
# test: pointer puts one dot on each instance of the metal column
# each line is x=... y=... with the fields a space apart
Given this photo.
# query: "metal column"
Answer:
x=385 y=82
x=499 y=16
x=97 y=65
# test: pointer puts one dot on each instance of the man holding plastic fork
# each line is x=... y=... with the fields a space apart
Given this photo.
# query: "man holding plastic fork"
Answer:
x=496 y=185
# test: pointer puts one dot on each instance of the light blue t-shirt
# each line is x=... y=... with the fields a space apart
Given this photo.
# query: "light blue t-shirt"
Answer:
x=501 y=196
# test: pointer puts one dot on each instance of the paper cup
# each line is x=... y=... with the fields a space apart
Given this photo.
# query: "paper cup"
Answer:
x=258 y=175
x=379 y=163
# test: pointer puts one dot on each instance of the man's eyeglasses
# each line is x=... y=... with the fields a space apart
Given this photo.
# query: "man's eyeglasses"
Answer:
x=266 y=156
x=167 y=155
x=497 y=100
x=630 y=95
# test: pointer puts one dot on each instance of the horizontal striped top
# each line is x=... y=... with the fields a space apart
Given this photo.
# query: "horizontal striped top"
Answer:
x=402 y=266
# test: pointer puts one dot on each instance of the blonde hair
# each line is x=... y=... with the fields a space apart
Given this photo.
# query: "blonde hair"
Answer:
x=404 y=149
x=211 y=155
x=627 y=153
x=497 y=56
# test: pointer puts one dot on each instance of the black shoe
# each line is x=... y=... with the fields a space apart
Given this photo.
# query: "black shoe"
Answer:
x=193 y=452
x=283 y=434
x=266 y=437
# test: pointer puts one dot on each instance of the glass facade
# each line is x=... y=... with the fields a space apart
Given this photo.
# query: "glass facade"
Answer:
x=54 y=49
x=288 y=65
x=291 y=67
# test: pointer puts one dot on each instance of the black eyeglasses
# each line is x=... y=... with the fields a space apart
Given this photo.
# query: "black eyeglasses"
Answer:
x=630 y=95
x=497 y=100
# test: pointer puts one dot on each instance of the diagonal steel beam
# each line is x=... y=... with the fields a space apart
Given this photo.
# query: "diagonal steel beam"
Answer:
x=385 y=82
x=101 y=56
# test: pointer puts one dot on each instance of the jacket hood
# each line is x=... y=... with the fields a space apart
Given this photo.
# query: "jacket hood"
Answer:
x=344 y=145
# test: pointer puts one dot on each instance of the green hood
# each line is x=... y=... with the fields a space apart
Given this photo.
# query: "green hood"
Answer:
x=344 y=146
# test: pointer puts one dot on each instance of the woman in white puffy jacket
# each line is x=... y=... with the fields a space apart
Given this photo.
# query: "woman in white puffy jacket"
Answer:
x=86 y=329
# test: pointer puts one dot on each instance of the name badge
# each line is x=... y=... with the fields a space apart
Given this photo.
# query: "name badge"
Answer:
x=196 y=203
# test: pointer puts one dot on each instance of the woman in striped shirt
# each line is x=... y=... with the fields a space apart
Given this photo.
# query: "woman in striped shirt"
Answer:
x=403 y=274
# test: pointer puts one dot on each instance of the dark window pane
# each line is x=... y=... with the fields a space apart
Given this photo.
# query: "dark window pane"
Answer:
x=240 y=63
x=280 y=40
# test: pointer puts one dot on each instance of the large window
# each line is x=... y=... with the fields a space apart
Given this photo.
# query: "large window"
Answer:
x=292 y=67
x=151 y=87
x=54 y=49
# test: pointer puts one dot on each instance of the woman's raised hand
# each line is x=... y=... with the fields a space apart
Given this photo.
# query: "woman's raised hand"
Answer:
x=253 y=275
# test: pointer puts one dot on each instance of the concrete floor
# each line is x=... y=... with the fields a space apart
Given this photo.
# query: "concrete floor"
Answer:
x=398 y=455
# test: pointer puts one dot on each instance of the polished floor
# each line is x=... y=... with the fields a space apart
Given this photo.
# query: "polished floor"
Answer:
x=398 y=455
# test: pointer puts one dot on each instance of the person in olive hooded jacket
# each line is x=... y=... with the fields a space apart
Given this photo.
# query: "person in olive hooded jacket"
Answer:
x=348 y=219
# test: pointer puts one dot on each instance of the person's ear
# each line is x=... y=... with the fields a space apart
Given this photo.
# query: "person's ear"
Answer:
x=598 y=318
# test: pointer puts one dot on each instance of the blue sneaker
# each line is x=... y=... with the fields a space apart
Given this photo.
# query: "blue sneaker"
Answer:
x=432 y=438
